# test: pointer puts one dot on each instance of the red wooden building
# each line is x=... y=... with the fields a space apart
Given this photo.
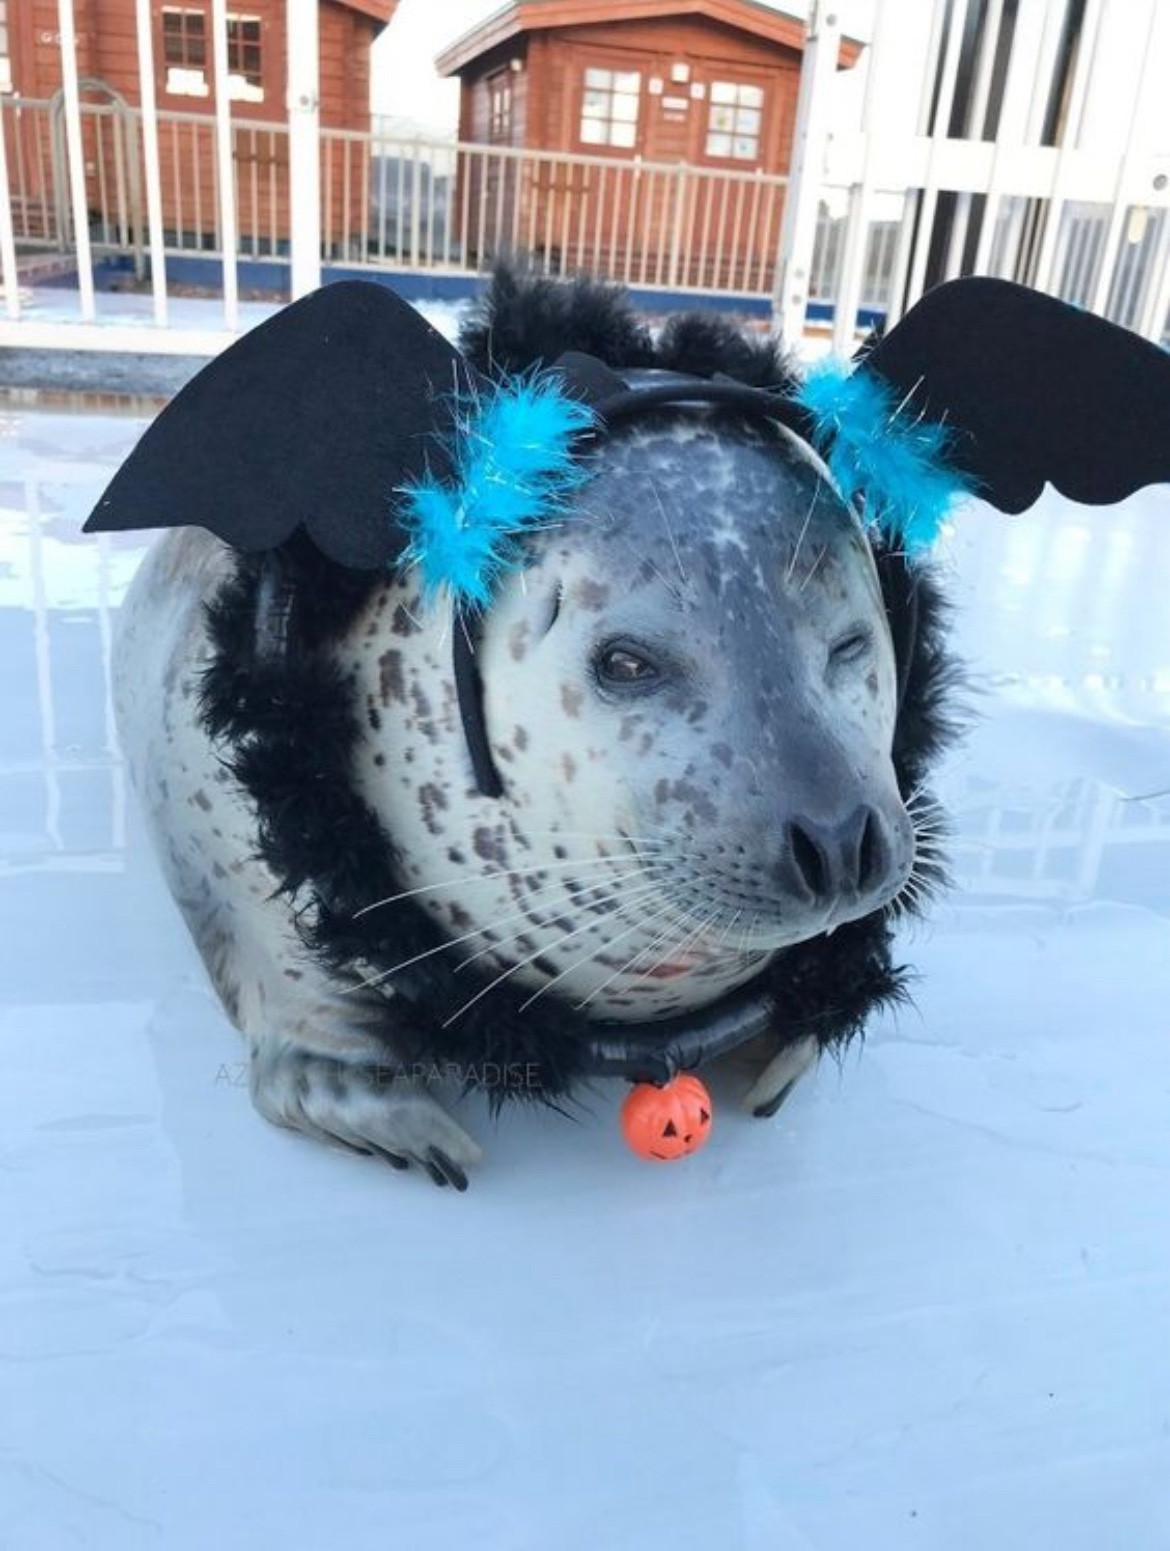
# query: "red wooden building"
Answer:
x=107 y=64
x=711 y=84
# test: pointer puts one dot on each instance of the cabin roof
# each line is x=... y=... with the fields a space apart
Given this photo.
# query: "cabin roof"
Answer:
x=523 y=16
x=380 y=11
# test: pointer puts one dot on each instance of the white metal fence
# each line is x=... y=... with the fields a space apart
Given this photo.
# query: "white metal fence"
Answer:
x=1033 y=144
x=412 y=203
x=980 y=173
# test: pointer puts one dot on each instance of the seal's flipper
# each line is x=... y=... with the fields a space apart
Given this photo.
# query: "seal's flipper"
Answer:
x=312 y=420
x=1036 y=391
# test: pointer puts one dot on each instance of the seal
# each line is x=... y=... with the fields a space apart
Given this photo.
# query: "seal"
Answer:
x=513 y=730
x=694 y=721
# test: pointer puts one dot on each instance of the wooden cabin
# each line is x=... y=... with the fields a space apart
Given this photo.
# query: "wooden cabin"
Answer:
x=610 y=84
x=107 y=65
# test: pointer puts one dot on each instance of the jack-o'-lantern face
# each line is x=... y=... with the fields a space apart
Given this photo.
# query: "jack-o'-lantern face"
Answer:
x=669 y=1122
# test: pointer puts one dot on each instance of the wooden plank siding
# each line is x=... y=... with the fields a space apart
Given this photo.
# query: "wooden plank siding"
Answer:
x=108 y=68
x=636 y=222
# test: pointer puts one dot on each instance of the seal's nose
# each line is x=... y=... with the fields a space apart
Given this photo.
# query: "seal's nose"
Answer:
x=850 y=859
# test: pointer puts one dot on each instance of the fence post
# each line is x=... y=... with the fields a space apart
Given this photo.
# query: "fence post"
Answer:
x=304 y=146
x=798 y=232
x=75 y=156
x=676 y=234
x=9 y=273
x=153 y=164
x=225 y=167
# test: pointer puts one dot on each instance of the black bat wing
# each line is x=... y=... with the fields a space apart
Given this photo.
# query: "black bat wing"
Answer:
x=310 y=421
x=1036 y=390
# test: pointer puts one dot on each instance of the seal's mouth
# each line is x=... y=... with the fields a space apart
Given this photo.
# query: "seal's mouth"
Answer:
x=670 y=971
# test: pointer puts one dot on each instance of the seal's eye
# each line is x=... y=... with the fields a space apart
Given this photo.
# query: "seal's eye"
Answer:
x=621 y=666
x=851 y=647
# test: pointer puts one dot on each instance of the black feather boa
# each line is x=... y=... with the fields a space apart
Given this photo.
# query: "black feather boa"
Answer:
x=286 y=723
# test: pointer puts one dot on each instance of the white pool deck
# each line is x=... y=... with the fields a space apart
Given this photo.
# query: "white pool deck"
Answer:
x=927 y=1308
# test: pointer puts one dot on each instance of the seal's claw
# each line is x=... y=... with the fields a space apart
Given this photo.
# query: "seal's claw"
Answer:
x=448 y=1168
x=356 y=1106
x=780 y=1076
x=766 y=1111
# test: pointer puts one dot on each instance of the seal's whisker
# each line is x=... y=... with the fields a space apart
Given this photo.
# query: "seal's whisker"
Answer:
x=522 y=964
x=644 y=559
x=669 y=534
x=608 y=889
x=668 y=912
x=727 y=931
x=930 y=848
x=628 y=966
x=454 y=942
x=585 y=834
x=657 y=915
x=790 y=568
x=681 y=946
x=814 y=568
x=465 y=880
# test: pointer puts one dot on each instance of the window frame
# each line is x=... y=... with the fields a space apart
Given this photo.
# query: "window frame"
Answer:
x=637 y=123
x=6 y=31
x=500 y=89
x=251 y=79
x=247 y=56
x=731 y=158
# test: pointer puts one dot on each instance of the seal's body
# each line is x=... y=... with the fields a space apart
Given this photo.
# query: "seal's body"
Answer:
x=690 y=693
x=546 y=711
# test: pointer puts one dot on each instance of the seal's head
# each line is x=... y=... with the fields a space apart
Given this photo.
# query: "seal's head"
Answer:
x=690 y=695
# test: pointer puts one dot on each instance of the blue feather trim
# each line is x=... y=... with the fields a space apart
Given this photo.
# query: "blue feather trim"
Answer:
x=512 y=452
x=878 y=450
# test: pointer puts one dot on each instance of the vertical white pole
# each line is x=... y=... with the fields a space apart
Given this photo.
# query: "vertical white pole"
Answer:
x=304 y=145
x=76 y=157
x=9 y=274
x=1027 y=47
x=1157 y=304
x=946 y=101
x=150 y=157
x=798 y=232
x=225 y=167
x=973 y=129
x=904 y=252
x=857 y=221
x=1043 y=279
x=1154 y=52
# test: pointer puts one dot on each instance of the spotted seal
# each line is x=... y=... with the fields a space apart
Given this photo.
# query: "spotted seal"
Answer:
x=694 y=722
x=667 y=790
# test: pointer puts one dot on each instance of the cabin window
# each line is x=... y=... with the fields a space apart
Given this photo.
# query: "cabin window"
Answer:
x=187 y=55
x=609 y=108
x=500 y=106
x=245 y=75
x=735 y=113
x=185 y=52
x=5 y=57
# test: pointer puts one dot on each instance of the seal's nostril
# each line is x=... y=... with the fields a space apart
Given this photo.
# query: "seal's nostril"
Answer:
x=850 y=858
x=810 y=861
x=872 y=854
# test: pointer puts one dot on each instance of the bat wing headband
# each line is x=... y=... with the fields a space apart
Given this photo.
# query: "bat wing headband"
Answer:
x=348 y=419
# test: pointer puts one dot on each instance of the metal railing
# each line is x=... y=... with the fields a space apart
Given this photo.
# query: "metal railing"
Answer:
x=433 y=205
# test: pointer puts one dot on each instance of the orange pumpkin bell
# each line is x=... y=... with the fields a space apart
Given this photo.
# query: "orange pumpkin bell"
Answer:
x=668 y=1122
